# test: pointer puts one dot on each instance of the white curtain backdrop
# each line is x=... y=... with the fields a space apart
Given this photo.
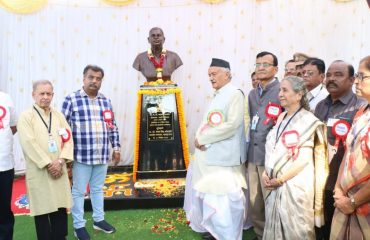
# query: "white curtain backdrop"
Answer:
x=58 y=41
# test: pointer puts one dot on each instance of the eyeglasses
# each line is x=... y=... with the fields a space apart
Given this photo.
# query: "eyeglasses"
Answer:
x=361 y=76
x=308 y=73
x=265 y=65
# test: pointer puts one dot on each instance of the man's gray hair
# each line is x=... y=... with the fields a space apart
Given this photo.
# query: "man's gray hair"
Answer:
x=298 y=86
x=40 y=82
x=227 y=70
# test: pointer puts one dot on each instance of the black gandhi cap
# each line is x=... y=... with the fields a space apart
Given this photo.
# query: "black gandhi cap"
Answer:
x=216 y=62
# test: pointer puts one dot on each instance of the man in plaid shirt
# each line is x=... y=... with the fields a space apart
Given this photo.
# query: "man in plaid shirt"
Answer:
x=90 y=115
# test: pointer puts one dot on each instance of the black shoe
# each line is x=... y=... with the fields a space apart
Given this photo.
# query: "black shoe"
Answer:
x=81 y=234
x=104 y=226
x=207 y=236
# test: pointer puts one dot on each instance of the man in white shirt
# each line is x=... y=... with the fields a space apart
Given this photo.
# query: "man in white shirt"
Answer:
x=8 y=128
x=313 y=75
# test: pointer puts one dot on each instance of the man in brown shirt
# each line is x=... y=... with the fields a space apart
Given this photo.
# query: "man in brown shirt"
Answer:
x=157 y=63
x=340 y=104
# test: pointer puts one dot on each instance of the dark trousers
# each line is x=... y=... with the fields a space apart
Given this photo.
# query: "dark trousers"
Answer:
x=6 y=214
x=52 y=226
x=324 y=232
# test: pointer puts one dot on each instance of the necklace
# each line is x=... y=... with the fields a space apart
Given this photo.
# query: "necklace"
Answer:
x=158 y=65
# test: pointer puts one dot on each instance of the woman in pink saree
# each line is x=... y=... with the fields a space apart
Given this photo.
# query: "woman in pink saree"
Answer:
x=352 y=191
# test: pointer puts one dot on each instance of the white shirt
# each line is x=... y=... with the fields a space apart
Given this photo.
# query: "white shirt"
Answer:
x=6 y=135
x=316 y=95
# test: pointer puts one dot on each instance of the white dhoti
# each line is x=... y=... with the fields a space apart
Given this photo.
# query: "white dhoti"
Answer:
x=214 y=199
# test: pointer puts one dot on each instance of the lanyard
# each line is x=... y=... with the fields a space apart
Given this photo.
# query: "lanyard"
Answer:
x=277 y=133
x=312 y=98
x=47 y=127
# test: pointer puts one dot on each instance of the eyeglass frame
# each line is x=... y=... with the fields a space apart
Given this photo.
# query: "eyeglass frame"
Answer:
x=361 y=77
x=290 y=69
x=265 y=65
x=308 y=73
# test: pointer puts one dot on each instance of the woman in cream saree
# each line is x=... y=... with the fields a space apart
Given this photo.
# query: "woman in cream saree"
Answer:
x=295 y=168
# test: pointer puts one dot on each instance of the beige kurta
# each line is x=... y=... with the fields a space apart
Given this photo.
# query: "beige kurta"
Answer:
x=45 y=194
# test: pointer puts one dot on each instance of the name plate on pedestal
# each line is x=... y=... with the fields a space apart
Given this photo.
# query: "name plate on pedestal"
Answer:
x=160 y=126
x=161 y=149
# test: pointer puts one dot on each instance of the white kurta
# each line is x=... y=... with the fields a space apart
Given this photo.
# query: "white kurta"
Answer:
x=214 y=198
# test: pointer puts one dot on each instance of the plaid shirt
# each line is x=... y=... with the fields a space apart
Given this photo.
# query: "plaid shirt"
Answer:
x=90 y=134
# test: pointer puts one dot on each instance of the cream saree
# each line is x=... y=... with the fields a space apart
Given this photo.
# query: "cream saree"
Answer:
x=356 y=173
x=293 y=209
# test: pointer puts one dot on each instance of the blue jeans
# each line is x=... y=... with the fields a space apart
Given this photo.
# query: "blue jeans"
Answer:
x=95 y=176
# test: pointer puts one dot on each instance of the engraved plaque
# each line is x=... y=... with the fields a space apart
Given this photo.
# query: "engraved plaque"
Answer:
x=160 y=126
x=160 y=140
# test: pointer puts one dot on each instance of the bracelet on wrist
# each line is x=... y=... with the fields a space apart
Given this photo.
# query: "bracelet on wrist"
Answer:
x=353 y=202
x=280 y=181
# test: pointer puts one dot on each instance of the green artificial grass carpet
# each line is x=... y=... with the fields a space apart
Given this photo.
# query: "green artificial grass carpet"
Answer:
x=135 y=224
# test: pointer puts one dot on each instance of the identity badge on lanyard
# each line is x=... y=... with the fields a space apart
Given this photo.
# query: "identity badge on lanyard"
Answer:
x=255 y=120
x=52 y=144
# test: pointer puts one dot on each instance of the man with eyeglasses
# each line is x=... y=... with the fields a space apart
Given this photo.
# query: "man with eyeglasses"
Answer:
x=290 y=68
x=265 y=93
x=299 y=59
x=340 y=105
x=313 y=75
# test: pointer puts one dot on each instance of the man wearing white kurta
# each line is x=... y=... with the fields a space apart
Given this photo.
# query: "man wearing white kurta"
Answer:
x=214 y=198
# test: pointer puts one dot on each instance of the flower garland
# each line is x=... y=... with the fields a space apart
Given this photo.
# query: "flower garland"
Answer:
x=182 y=123
x=162 y=187
x=159 y=91
x=183 y=135
x=158 y=68
x=158 y=65
x=137 y=135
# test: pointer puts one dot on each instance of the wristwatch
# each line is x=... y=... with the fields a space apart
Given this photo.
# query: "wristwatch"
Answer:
x=60 y=162
x=353 y=202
